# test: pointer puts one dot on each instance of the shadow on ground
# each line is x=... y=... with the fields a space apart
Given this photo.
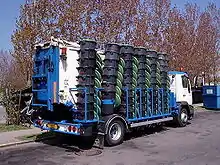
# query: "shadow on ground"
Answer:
x=74 y=144
x=84 y=145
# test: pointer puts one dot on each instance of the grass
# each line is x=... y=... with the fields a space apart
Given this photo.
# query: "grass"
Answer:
x=37 y=136
x=7 y=128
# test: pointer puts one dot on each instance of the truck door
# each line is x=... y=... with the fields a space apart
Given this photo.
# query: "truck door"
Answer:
x=187 y=93
x=45 y=77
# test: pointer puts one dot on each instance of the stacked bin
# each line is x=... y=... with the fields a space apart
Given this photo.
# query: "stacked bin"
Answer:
x=135 y=84
x=109 y=78
x=123 y=67
x=152 y=55
x=158 y=75
x=126 y=53
x=148 y=85
x=164 y=79
x=119 y=82
x=98 y=80
x=86 y=78
x=140 y=53
x=159 y=90
x=167 y=90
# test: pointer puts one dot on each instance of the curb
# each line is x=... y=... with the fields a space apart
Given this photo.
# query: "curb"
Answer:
x=16 y=143
x=23 y=142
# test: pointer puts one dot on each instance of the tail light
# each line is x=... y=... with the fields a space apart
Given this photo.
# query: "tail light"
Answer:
x=39 y=122
x=63 y=51
x=72 y=129
x=81 y=131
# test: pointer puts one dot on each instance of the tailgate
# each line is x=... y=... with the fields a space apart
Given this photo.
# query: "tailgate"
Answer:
x=45 y=77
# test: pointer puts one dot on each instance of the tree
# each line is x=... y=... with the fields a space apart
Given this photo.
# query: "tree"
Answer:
x=11 y=79
x=190 y=36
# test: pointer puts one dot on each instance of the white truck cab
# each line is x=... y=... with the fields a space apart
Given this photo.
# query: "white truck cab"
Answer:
x=181 y=87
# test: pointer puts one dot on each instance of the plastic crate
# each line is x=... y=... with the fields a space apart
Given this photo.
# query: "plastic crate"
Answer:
x=211 y=97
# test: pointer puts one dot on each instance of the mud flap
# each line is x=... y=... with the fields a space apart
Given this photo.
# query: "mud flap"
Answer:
x=99 y=141
x=100 y=137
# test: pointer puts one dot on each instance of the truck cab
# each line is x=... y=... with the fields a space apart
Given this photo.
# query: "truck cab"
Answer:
x=181 y=87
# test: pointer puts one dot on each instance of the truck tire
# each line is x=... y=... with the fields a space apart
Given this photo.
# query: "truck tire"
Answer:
x=191 y=113
x=182 y=118
x=115 y=133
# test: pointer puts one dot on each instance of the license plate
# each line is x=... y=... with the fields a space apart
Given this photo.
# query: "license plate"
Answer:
x=52 y=126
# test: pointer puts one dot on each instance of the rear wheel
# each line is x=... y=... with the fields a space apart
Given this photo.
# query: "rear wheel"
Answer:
x=182 y=118
x=115 y=133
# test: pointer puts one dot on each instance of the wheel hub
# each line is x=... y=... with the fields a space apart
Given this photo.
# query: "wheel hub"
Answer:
x=184 y=117
x=115 y=131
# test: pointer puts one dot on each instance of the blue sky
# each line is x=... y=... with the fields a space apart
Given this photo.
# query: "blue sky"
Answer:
x=9 y=11
x=201 y=3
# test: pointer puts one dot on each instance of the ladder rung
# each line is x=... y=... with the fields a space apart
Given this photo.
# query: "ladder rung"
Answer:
x=39 y=90
x=39 y=76
x=42 y=105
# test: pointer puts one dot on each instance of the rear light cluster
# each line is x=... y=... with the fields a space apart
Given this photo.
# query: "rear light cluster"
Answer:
x=72 y=129
x=39 y=122
x=75 y=130
x=63 y=51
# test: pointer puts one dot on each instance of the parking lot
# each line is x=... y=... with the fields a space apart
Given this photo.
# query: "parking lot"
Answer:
x=198 y=143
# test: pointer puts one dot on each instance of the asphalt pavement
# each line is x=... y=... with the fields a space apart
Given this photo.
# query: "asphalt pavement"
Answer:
x=2 y=114
x=196 y=144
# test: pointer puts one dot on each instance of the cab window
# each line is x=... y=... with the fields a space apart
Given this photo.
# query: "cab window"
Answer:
x=185 y=82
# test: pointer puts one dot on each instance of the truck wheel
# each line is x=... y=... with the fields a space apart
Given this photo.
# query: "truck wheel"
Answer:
x=115 y=133
x=182 y=118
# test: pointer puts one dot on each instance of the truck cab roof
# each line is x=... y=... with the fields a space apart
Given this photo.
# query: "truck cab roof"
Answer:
x=176 y=72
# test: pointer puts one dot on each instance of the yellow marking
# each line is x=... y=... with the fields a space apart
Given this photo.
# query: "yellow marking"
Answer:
x=54 y=91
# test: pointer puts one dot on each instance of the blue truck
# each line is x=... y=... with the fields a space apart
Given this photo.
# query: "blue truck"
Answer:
x=106 y=104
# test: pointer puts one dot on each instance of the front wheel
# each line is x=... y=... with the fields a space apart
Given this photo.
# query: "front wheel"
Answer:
x=182 y=118
x=115 y=133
